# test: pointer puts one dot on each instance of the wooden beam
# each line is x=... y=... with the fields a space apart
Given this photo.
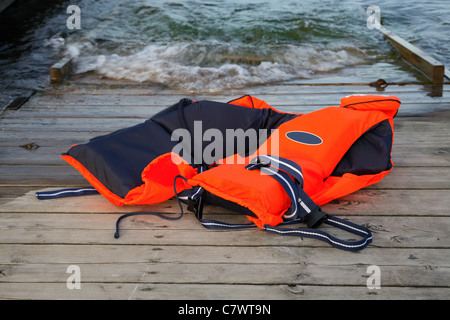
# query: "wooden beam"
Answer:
x=431 y=67
x=60 y=70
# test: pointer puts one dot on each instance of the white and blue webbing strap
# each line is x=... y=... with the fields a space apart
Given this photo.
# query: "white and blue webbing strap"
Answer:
x=70 y=192
x=301 y=204
x=355 y=245
x=304 y=209
x=301 y=210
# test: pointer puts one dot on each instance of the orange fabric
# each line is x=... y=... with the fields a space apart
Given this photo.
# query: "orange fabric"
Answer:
x=158 y=179
x=386 y=104
x=263 y=195
x=336 y=187
x=252 y=102
x=338 y=127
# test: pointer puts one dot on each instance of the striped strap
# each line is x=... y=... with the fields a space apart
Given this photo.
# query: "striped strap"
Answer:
x=304 y=209
x=354 y=245
x=71 y=192
x=280 y=169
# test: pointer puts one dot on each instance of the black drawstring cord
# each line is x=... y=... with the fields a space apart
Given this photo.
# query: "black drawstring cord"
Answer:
x=116 y=235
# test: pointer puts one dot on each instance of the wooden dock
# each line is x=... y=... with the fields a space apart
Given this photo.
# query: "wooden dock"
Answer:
x=408 y=212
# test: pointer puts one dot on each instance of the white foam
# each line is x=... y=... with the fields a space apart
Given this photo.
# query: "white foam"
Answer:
x=204 y=67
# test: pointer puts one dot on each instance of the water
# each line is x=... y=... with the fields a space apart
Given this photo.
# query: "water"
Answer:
x=214 y=45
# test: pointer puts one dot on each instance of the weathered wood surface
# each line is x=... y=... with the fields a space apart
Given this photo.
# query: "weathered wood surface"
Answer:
x=408 y=212
x=60 y=70
x=431 y=67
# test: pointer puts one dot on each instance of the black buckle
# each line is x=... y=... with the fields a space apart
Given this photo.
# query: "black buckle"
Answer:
x=192 y=205
x=195 y=207
x=316 y=217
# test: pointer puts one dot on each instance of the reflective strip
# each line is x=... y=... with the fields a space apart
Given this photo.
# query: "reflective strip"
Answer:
x=322 y=236
x=304 y=206
x=335 y=242
x=65 y=193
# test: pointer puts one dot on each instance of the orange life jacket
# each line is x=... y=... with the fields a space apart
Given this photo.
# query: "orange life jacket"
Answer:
x=339 y=150
x=309 y=160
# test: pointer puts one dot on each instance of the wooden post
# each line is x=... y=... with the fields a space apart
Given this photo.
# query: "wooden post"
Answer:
x=431 y=67
x=60 y=70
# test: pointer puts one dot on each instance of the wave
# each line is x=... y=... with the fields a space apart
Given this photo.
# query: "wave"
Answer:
x=214 y=66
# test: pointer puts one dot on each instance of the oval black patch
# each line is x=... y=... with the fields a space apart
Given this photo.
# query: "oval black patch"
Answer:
x=304 y=137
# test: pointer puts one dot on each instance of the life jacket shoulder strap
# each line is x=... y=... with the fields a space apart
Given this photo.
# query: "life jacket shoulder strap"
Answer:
x=303 y=209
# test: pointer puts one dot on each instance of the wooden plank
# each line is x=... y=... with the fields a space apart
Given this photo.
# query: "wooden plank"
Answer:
x=105 y=220
x=67 y=124
x=279 y=89
x=410 y=134
x=40 y=176
x=229 y=273
x=137 y=291
x=56 y=176
x=271 y=94
x=32 y=125
x=61 y=254
x=63 y=139
x=144 y=112
x=330 y=99
x=364 y=202
x=431 y=67
x=424 y=155
x=406 y=136
x=423 y=178
x=389 y=232
x=113 y=98
x=66 y=131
